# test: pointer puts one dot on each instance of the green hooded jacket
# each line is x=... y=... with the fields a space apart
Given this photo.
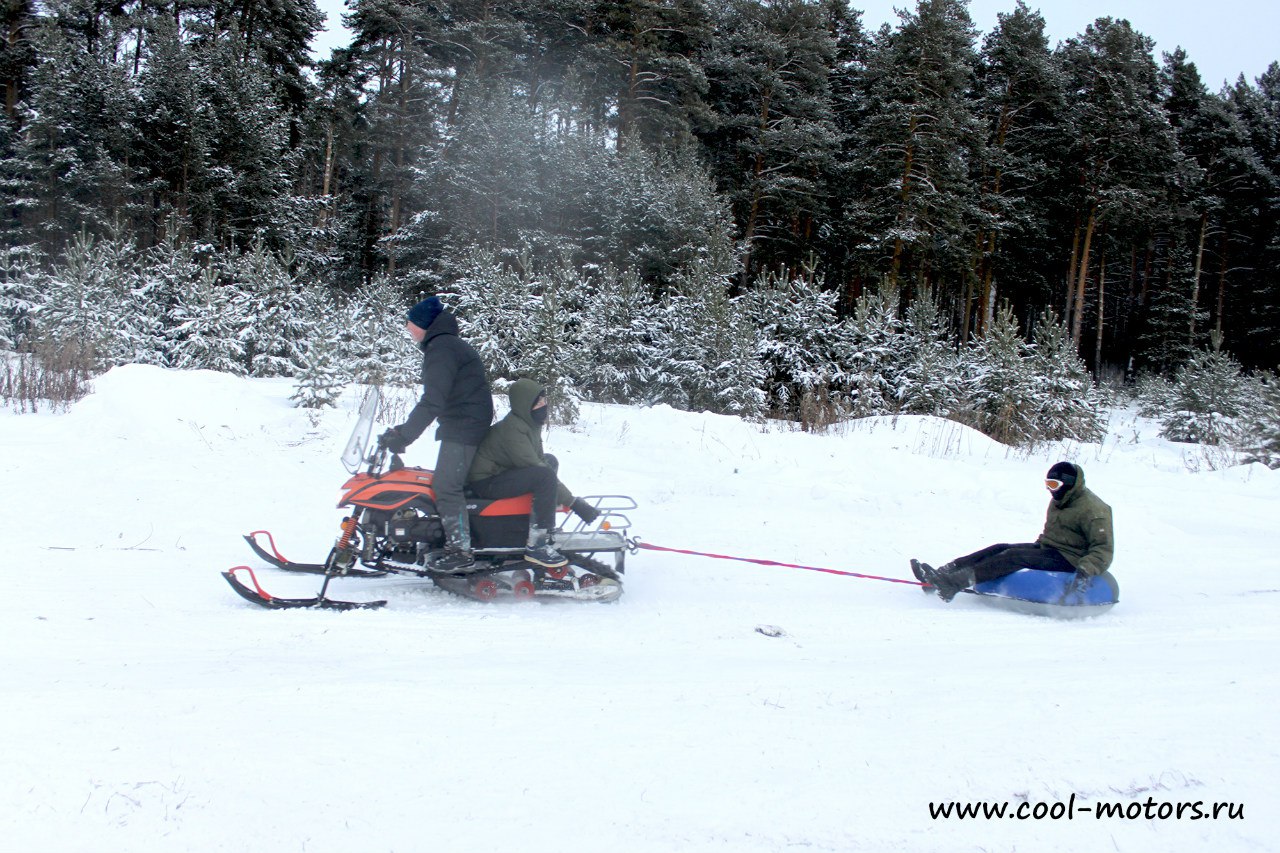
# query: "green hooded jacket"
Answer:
x=515 y=441
x=1079 y=525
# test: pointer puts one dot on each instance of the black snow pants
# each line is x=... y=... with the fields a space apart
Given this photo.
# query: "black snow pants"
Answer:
x=521 y=481
x=1004 y=559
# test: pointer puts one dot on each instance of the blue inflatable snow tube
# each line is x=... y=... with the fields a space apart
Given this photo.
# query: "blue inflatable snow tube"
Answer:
x=1058 y=594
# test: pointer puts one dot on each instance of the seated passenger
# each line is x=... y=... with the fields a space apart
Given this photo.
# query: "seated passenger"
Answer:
x=510 y=462
x=1077 y=538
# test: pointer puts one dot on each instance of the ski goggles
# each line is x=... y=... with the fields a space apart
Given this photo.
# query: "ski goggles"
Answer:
x=1053 y=485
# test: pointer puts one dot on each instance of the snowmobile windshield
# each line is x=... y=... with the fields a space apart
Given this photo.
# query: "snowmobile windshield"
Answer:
x=358 y=443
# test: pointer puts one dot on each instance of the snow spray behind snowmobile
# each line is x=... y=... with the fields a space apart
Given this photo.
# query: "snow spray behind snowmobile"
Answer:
x=394 y=528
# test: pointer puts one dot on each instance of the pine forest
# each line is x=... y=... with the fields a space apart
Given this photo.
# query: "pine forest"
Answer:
x=754 y=207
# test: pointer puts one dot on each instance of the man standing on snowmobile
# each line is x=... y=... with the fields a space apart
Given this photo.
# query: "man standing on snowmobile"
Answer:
x=456 y=393
x=510 y=462
x=1077 y=537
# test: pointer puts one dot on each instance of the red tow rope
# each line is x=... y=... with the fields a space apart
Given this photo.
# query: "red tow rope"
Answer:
x=648 y=547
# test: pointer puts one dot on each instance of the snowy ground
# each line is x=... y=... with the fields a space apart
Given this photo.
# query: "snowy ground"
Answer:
x=146 y=707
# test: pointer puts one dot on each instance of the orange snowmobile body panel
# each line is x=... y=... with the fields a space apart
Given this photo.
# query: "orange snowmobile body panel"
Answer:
x=398 y=488
x=389 y=491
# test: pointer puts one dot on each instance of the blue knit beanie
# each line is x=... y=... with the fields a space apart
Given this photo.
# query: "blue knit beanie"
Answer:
x=425 y=312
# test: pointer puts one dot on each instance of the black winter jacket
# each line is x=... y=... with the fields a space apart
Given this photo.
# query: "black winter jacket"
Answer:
x=454 y=388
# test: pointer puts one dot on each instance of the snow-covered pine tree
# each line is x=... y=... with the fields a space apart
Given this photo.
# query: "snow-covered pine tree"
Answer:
x=929 y=384
x=1209 y=399
x=1152 y=394
x=548 y=353
x=165 y=271
x=614 y=357
x=1261 y=439
x=1069 y=405
x=70 y=165
x=1165 y=341
x=917 y=147
x=772 y=138
x=1121 y=148
x=321 y=380
x=19 y=295
x=278 y=311
x=87 y=304
x=876 y=352
x=207 y=324
x=521 y=321
x=709 y=346
x=495 y=306
x=1018 y=96
x=374 y=348
x=1001 y=383
x=803 y=344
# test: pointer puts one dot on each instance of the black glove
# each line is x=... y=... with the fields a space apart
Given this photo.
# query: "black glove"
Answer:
x=584 y=510
x=393 y=440
x=1076 y=586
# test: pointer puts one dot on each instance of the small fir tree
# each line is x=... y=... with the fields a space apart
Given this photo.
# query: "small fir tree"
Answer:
x=615 y=355
x=321 y=380
x=20 y=282
x=1000 y=381
x=1209 y=399
x=709 y=347
x=876 y=352
x=277 y=307
x=495 y=304
x=90 y=301
x=803 y=344
x=928 y=385
x=1068 y=404
x=207 y=324
x=1261 y=438
x=373 y=346
x=548 y=352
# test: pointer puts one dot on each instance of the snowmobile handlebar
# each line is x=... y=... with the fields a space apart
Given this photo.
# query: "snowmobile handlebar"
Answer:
x=379 y=464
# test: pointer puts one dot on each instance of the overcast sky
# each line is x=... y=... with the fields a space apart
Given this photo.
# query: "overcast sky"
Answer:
x=1224 y=38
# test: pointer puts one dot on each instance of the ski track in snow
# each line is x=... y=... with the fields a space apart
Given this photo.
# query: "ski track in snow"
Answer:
x=146 y=707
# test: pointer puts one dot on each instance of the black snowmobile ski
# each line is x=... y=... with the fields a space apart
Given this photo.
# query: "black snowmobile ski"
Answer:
x=275 y=558
x=262 y=598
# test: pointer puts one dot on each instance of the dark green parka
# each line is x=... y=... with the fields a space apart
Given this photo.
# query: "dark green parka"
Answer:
x=515 y=441
x=1079 y=525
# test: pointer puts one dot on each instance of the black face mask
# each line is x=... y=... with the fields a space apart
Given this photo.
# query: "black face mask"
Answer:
x=539 y=415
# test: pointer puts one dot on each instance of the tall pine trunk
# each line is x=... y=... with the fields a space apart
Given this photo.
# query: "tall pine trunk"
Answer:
x=753 y=214
x=1077 y=312
x=1195 y=279
x=1071 y=274
x=1102 y=294
x=1222 y=286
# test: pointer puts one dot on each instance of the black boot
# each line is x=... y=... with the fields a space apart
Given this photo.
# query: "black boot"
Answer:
x=454 y=561
x=948 y=579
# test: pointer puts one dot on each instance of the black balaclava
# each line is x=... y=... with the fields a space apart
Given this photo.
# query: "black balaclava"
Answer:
x=538 y=414
x=1067 y=473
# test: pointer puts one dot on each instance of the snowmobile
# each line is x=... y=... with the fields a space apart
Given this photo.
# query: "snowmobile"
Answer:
x=394 y=528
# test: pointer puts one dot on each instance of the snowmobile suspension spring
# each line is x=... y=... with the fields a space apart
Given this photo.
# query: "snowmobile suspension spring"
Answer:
x=348 y=530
